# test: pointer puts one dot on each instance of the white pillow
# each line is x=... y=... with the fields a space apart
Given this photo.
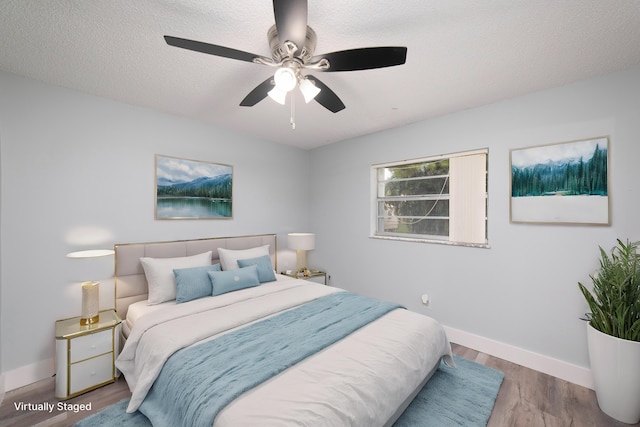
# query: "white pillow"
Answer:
x=160 y=277
x=229 y=257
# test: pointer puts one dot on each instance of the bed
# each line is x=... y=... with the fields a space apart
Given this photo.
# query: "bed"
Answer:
x=280 y=352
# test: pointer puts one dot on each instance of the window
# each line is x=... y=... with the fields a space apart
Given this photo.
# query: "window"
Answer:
x=436 y=199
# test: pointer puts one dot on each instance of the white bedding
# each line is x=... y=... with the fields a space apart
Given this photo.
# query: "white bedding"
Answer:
x=359 y=381
x=140 y=308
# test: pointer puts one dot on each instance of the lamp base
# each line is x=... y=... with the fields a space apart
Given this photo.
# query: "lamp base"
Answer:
x=301 y=261
x=90 y=303
x=304 y=271
x=90 y=320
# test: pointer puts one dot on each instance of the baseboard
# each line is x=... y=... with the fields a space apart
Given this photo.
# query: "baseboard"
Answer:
x=28 y=374
x=548 y=365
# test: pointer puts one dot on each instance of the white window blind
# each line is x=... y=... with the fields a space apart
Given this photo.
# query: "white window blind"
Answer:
x=468 y=198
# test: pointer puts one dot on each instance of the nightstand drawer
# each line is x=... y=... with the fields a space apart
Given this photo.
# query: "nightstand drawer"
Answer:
x=91 y=372
x=91 y=345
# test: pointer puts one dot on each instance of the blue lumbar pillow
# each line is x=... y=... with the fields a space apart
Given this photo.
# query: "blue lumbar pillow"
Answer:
x=233 y=280
x=265 y=269
x=193 y=283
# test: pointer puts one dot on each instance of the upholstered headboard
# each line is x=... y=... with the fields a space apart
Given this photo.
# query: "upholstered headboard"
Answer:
x=130 y=281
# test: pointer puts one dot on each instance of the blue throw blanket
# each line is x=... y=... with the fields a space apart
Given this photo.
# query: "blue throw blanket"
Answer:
x=196 y=383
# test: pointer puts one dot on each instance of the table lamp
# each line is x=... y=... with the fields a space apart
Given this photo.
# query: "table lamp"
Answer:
x=90 y=290
x=302 y=242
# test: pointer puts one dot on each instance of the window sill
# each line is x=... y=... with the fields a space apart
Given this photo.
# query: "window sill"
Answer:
x=439 y=242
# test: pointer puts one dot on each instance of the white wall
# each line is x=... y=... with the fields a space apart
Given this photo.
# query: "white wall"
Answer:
x=77 y=172
x=523 y=291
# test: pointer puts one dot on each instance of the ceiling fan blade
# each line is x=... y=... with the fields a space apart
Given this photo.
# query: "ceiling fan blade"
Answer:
x=291 y=21
x=211 y=49
x=258 y=94
x=327 y=98
x=364 y=58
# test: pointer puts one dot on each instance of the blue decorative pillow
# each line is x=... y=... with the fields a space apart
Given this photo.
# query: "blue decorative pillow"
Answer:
x=193 y=283
x=233 y=280
x=265 y=269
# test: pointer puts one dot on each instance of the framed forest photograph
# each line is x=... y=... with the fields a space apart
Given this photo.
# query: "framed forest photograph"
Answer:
x=565 y=183
x=191 y=189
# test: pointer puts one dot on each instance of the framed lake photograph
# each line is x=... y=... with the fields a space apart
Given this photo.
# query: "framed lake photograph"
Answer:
x=191 y=189
x=565 y=183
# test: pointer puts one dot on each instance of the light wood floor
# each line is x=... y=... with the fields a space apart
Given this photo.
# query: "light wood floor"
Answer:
x=530 y=398
x=526 y=399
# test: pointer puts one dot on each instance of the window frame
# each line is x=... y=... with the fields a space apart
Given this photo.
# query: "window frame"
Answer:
x=375 y=200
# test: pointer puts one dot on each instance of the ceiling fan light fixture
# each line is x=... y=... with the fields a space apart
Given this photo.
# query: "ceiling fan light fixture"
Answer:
x=278 y=95
x=308 y=89
x=285 y=79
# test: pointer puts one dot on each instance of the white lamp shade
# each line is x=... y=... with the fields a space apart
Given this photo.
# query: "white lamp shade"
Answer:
x=302 y=241
x=94 y=253
x=309 y=90
x=278 y=95
x=285 y=79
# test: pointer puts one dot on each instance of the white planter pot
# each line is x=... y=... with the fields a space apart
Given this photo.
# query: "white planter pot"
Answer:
x=615 y=367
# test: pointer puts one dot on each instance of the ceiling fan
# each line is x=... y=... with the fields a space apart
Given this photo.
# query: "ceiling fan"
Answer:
x=292 y=45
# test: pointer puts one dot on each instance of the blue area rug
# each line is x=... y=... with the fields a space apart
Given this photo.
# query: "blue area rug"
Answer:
x=461 y=396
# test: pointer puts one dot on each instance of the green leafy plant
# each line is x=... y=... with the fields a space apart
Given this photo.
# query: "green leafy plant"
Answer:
x=615 y=299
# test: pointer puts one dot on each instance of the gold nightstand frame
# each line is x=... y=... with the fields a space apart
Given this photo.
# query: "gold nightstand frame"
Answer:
x=311 y=275
x=69 y=329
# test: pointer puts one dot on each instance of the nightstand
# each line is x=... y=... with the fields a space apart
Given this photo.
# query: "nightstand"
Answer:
x=312 y=275
x=85 y=354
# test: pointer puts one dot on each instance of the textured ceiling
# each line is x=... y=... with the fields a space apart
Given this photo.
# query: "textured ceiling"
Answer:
x=461 y=54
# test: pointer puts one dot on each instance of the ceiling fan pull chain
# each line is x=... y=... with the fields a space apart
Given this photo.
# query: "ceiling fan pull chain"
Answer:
x=293 y=111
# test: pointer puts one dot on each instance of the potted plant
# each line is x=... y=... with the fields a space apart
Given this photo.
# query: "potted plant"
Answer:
x=613 y=331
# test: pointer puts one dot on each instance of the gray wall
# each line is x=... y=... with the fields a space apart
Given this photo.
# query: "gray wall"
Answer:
x=78 y=173
x=523 y=290
x=2 y=385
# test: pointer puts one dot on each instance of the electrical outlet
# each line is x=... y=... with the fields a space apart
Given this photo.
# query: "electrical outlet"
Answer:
x=426 y=300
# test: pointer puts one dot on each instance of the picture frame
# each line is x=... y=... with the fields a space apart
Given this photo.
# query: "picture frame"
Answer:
x=561 y=183
x=192 y=189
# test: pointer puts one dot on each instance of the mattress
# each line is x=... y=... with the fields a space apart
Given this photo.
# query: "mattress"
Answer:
x=361 y=380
